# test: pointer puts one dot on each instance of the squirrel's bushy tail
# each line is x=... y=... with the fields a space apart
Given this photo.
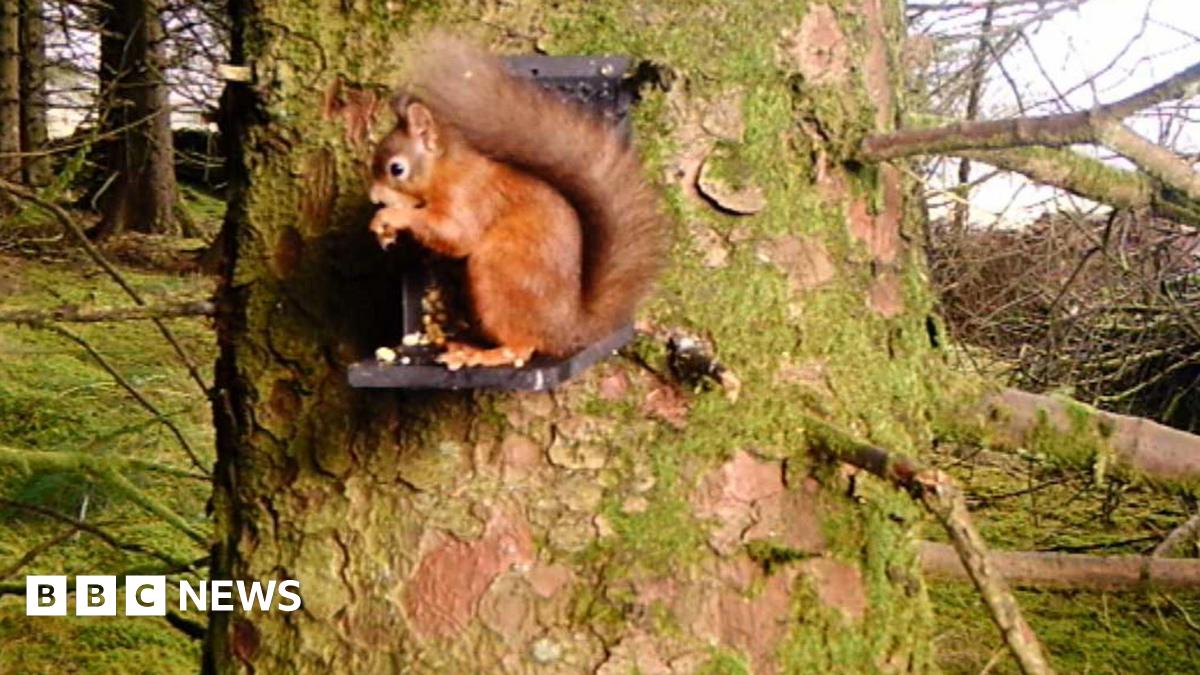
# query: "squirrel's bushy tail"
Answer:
x=515 y=121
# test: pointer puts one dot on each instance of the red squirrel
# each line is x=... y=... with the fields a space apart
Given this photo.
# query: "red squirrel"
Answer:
x=562 y=234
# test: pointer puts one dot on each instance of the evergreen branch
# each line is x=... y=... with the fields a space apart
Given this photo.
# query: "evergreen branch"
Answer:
x=105 y=469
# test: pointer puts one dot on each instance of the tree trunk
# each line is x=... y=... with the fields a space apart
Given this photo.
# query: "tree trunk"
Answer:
x=10 y=90
x=622 y=522
x=36 y=168
x=134 y=94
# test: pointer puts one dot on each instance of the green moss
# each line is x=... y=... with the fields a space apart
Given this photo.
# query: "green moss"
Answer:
x=1082 y=445
x=1082 y=632
x=54 y=397
x=87 y=645
x=771 y=556
x=727 y=165
x=725 y=662
x=663 y=537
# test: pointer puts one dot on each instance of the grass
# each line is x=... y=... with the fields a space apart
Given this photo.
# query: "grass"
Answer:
x=54 y=397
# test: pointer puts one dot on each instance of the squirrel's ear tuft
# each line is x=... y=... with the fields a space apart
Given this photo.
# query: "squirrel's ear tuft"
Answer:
x=421 y=125
x=399 y=102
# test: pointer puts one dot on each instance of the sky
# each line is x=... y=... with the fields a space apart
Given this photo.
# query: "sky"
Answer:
x=1073 y=47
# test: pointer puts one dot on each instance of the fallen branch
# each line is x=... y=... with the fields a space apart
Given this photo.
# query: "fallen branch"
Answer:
x=107 y=469
x=76 y=314
x=1146 y=448
x=1035 y=569
x=943 y=499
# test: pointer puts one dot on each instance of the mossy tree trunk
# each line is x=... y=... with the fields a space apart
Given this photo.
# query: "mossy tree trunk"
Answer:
x=36 y=168
x=621 y=522
x=10 y=90
x=135 y=99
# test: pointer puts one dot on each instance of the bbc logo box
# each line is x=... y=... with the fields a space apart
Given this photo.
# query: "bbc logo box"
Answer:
x=96 y=595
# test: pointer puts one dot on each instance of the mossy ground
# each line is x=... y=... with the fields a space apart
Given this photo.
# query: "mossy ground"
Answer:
x=1033 y=503
x=1083 y=632
x=54 y=397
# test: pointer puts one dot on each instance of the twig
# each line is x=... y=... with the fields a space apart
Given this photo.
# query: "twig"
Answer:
x=77 y=314
x=1187 y=617
x=1185 y=533
x=991 y=663
x=71 y=226
x=81 y=526
x=131 y=390
x=36 y=551
x=941 y=497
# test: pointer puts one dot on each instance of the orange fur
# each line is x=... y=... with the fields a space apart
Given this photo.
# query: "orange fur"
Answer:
x=561 y=233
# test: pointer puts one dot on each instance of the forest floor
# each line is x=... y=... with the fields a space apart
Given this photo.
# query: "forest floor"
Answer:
x=55 y=397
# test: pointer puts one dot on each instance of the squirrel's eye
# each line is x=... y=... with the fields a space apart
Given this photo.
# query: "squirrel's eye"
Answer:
x=397 y=168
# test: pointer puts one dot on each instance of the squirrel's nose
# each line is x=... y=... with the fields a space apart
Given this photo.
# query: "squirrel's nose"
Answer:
x=377 y=195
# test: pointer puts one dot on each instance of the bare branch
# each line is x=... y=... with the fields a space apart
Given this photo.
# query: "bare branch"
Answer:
x=1184 y=84
x=1050 y=130
x=1154 y=159
x=18 y=587
x=81 y=526
x=77 y=314
x=1101 y=125
x=32 y=554
x=131 y=390
x=77 y=232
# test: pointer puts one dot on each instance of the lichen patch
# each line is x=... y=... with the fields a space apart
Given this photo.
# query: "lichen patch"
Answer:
x=805 y=260
x=817 y=49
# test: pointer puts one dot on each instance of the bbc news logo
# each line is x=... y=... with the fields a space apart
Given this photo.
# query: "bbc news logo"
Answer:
x=147 y=596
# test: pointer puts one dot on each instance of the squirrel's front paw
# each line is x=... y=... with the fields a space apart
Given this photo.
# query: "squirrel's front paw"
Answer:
x=387 y=223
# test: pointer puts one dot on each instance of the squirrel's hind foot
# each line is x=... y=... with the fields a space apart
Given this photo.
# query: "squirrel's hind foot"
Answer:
x=459 y=355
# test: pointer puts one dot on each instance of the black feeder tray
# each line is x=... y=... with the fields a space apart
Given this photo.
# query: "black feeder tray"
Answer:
x=598 y=83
